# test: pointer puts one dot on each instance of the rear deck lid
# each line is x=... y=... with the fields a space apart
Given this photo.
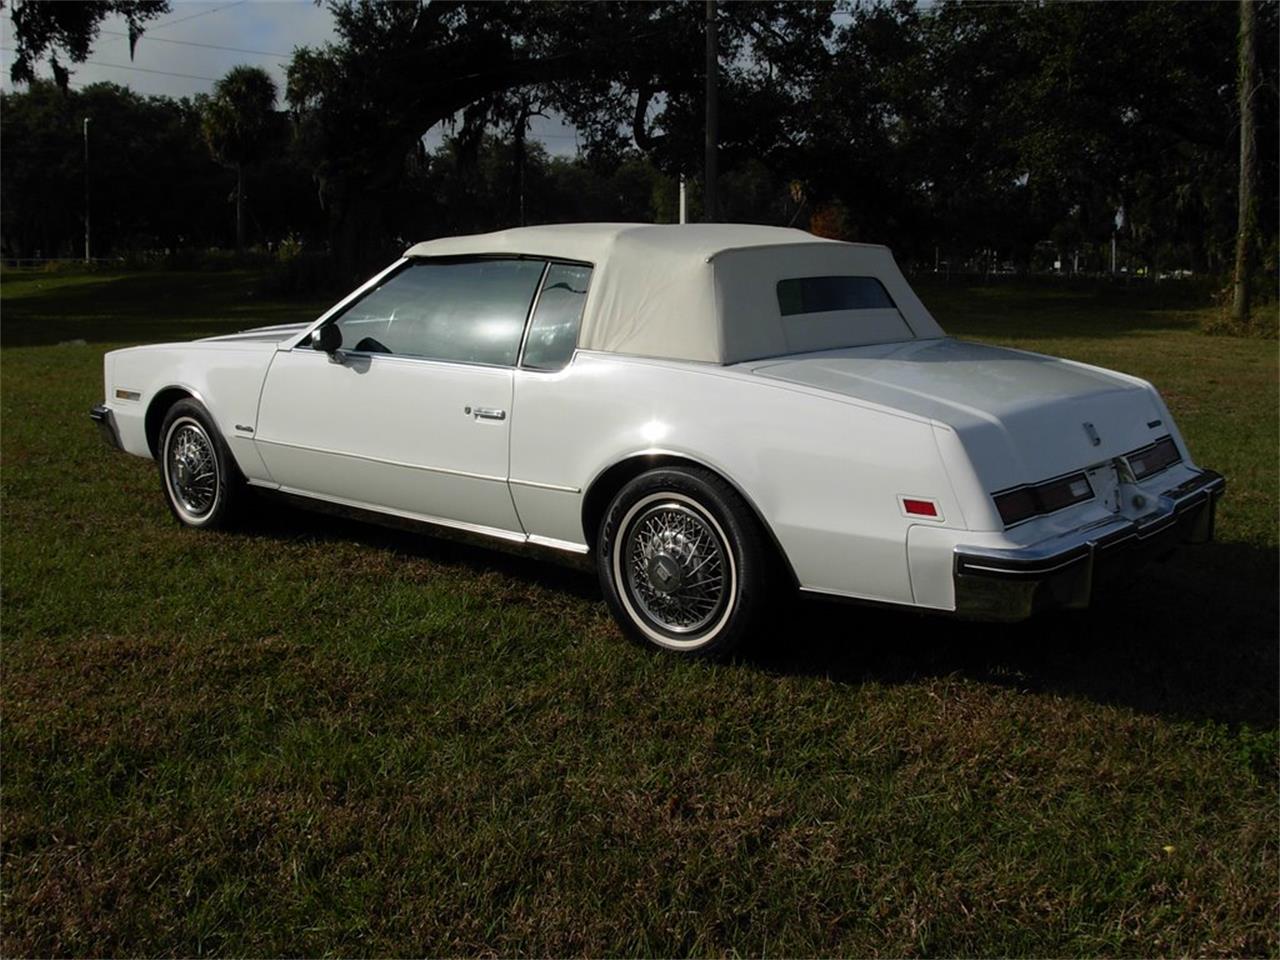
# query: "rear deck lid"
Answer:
x=1021 y=416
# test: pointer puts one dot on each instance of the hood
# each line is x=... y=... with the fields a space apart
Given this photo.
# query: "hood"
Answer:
x=275 y=334
x=1022 y=417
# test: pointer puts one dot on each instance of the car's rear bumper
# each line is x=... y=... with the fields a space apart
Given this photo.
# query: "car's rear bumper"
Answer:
x=106 y=420
x=1013 y=584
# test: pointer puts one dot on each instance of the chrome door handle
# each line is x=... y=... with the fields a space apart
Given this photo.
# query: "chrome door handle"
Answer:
x=487 y=413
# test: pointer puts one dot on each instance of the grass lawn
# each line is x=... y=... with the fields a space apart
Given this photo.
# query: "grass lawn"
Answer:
x=314 y=737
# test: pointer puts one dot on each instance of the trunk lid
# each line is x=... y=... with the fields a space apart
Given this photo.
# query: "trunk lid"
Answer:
x=1022 y=417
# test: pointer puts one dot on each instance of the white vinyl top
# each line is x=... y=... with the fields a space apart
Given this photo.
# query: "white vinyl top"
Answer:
x=708 y=291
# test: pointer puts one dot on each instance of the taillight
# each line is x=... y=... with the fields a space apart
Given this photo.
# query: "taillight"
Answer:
x=1017 y=505
x=1163 y=453
x=1023 y=503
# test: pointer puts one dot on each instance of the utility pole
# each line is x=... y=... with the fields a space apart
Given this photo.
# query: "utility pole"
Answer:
x=522 y=119
x=1246 y=215
x=684 y=208
x=710 y=206
x=86 y=189
x=239 y=207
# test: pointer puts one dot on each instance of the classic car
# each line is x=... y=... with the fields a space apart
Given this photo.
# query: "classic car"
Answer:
x=703 y=412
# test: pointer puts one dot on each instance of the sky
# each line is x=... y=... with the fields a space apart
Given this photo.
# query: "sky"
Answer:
x=184 y=51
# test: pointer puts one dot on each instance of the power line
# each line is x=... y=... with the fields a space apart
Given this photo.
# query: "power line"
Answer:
x=207 y=46
x=120 y=66
x=202 y=13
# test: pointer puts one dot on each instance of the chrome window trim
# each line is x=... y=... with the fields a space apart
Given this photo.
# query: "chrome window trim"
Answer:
x=528 y=319
x=407 y=358
x=553 y=261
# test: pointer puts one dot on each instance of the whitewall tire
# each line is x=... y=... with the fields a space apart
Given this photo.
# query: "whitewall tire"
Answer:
x=682 y=562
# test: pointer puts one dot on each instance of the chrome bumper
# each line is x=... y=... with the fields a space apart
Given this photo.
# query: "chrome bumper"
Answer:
x=1013 y=584
x=106 y=421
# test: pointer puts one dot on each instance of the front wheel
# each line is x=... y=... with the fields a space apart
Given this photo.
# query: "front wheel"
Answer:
x=200 y=480
x=683 y=562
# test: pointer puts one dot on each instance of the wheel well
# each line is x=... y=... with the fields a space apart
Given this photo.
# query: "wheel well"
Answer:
x=606 y=486
x=160 y=405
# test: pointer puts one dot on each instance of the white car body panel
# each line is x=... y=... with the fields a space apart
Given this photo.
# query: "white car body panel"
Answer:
x=826 y=447
x=390 y=433
x=845 y=535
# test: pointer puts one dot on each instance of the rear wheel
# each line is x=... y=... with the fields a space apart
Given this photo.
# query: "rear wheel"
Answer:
x=200 y=480
x=682 y=562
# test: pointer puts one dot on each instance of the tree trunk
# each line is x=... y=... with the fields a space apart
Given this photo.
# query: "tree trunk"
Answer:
x=1246 y=218
x=709 y=199
x=239 y=207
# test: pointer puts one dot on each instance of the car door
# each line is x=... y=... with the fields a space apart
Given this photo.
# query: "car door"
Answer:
x=411 y=414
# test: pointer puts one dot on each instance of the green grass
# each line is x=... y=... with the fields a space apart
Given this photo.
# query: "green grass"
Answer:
x=314 y=737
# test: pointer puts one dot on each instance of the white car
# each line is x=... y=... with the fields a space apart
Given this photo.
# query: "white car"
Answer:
x=705 y=411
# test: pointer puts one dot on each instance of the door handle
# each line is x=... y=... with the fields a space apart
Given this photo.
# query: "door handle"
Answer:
x=487 y=413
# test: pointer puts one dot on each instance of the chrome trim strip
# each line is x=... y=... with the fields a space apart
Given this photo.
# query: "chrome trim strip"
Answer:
x=557 y=487
x=506 y=537
x=554 y=544
x=494 y=532
x=390 y=463
x=1033 y=572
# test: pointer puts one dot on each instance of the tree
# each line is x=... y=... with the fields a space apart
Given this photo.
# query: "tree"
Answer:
x=362 y=105
x=238 y=120
x=148 y=149
x=40 y=28
x=1246 y=217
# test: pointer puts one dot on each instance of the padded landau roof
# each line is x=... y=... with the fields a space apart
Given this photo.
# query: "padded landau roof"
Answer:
x=708 y=292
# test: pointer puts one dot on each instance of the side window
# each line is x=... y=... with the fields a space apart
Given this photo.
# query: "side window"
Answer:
x=466 y=311
x=553 y=332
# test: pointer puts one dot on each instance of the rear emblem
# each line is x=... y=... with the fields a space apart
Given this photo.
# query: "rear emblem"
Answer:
x=1093 y=433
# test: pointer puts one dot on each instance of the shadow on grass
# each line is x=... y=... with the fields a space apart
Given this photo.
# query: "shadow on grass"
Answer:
x=1193 y=638
x=288 y=518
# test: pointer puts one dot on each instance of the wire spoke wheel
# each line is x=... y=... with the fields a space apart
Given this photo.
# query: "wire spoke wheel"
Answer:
x=676 y=569
x=191 y=469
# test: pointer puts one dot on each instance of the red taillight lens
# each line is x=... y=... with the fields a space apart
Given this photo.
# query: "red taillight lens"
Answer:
x=1163 y=453
x=1017 y=505
x=1057 y=494
x=1052 y=495
x=919 y=508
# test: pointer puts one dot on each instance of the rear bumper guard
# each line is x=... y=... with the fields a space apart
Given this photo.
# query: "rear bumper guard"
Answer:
x=1013 y=584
